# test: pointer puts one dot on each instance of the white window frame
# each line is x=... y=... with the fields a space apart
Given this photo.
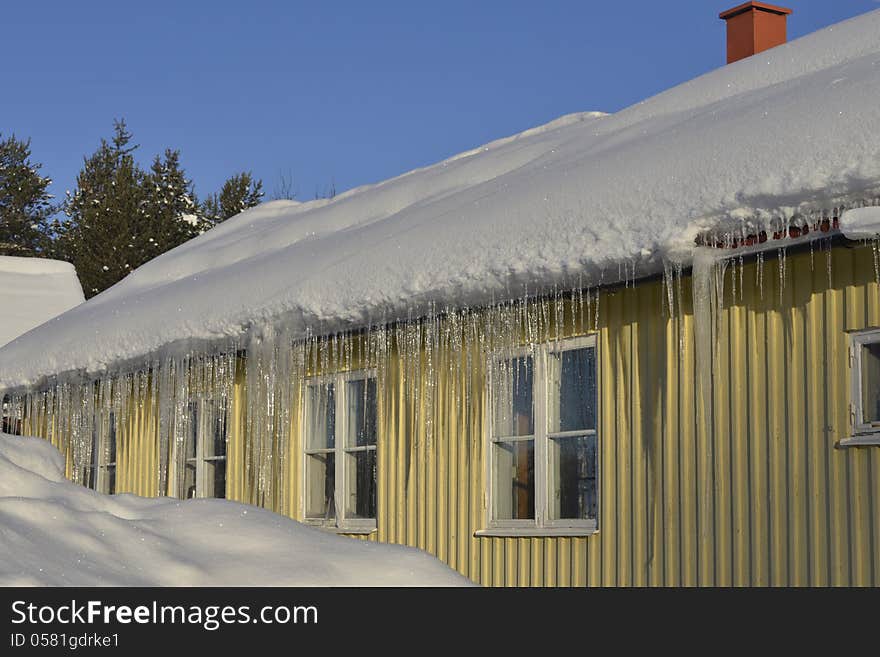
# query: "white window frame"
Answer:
x=201 y=433
x=865 y=433
x=542 y=524
x=101 y=435
x=340 y=522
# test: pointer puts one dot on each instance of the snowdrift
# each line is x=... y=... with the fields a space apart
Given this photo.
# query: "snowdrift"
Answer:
x=55 y=533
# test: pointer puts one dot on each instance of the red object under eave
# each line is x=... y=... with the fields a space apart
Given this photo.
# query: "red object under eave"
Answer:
x=753 y=27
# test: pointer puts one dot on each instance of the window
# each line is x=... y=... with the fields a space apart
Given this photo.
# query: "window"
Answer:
x=543 y=443
x=101 y=471
x=205 y=450
x=339 y=436
x=9 y=421
x=865 y=393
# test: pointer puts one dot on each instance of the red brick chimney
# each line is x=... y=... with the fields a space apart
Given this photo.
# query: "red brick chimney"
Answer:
x=753 y=27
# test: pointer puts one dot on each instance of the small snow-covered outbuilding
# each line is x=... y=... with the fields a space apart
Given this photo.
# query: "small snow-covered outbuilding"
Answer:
x=33 y=291
x=630 y=349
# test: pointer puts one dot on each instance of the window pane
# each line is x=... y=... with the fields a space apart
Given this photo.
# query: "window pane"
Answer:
x=96 y=446
x=515 y=480
x=514 y=408
x=871 y=382
x=215 y=479
x=573 y=467
x=320 y=483
x=362 y=410
x=320 y=416
x=189 y=447
x=91 y=478
x=360 y=484
x=215 y=423
x=111 y=479
x=189 y=481
x=572 y=390
x=111 y=440
x=219 y=437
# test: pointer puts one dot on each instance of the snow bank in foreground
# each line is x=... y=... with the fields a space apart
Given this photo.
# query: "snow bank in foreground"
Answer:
x=55 y=533
x=584 y=199
x=32 y=291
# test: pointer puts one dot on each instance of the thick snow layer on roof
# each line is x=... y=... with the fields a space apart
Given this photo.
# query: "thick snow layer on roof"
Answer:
x=56 y=533
x=793 y=129
x=861 y=223
x=32 y=291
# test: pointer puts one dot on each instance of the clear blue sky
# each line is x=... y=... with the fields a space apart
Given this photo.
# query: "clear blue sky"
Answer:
x=349 y=91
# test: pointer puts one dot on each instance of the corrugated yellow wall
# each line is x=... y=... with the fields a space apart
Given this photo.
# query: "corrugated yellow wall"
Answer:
x=763 y=498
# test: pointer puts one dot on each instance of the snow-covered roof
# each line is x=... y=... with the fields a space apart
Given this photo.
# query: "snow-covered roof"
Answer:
x=33 y=291
x=795 y=129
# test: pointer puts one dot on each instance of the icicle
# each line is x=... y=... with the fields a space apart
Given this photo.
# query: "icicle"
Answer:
x=585 y=310
x=733 y=280
x=708 y=294
x=559 y=315
x=760 y=278
x=875 y=249
x=680 y=296
x=668 y=279
x=578 y=308
x=780 y=256
x=828 y=262
x=741 y=275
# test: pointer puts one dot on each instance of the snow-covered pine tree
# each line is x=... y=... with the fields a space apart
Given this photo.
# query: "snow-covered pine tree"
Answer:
x=25 y=203
x=238 y=193
x=121 y=217
x=171 y=210
x=105 y=236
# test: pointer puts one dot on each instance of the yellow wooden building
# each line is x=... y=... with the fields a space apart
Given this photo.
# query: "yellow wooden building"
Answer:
x=711 y=422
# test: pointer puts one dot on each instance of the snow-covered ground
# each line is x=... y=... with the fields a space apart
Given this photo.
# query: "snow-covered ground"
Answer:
x=55 y=533
x=32 y=291
x=588 y=198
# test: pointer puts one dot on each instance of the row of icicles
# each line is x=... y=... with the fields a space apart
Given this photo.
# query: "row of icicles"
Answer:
x=272 y=365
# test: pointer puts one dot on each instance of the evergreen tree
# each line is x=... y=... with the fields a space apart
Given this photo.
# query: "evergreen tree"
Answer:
x=238 y=193
x=105 y=236
x=120 y=217
x=171 y=209
x=25 y=203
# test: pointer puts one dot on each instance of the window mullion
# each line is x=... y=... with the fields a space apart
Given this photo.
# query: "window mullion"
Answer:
x=858 y=392
x=539 y=394
x=96 y=464
x=489 y=407
x=199 y=449
x=340 y=439
x=856 y=385
x=515 y=439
